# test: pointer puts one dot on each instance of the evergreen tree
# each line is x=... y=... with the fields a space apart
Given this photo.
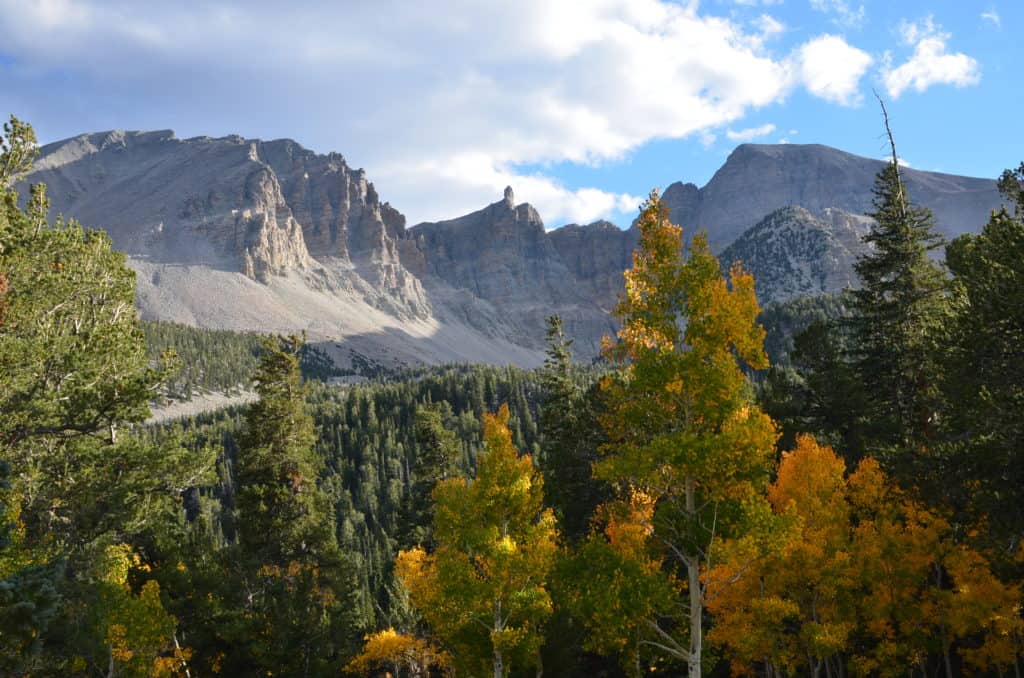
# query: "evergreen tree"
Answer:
x=894 y=321
x=985 y=371
x=74 y=383
x=295 y=581
x=569 y=442
x=437 y=450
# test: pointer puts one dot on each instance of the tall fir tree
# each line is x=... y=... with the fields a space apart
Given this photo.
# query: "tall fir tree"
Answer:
x=895 y=313
x=570 y=437
x=895 y=319
x=297 y=587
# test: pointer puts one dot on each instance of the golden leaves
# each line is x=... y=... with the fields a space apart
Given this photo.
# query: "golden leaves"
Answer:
x=394 y=650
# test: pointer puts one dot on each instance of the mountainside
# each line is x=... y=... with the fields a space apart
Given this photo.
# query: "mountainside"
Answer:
x=792 y=252
x=243 y=234
x=249 y=235
x=503 y=255
x=758 y=179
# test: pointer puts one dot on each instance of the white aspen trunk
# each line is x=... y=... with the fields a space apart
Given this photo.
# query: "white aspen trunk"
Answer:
x=693 y=581
x=499 y=668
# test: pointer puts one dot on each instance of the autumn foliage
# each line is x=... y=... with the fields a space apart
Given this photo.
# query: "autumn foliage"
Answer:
x=859 y=576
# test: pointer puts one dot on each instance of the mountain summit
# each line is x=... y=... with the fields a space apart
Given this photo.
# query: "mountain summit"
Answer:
x=758 y=179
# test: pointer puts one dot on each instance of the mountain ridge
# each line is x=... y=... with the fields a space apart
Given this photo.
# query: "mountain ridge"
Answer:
x=315 y=248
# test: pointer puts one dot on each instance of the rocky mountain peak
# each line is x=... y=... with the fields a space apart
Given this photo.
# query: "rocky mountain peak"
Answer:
x=758 y=179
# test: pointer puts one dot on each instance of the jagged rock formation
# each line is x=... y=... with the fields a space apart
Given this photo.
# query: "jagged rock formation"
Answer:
x=246 y=234
x=792 y=252
x=758 y=179
x=503 y=255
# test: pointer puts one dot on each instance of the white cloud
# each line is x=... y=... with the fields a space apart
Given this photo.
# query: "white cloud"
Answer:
x=769 y=26
x=832 y=69
x=930 y=64
x=843 y=14
x=443 y=108
x=751 y=133
x=992 y=16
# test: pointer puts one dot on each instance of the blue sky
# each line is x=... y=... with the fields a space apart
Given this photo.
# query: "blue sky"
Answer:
x=581 y=105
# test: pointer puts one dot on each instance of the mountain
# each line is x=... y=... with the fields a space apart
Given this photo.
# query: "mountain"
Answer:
x=243 y=234
x=793 y=253
x=246 y=234
x=758 y=179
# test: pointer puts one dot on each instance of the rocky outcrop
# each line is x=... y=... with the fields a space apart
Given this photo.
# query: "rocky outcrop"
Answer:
x=792 y=252
x=502 y=255
x=759 y=179
x=260 y=208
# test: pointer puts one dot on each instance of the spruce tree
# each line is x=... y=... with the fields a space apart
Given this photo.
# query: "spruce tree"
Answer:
x=437 y=451
x=570 y=436
x=894 y=322
x=297 y=586
x=984 y=384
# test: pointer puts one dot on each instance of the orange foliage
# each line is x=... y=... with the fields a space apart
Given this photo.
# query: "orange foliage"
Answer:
x=858 y=560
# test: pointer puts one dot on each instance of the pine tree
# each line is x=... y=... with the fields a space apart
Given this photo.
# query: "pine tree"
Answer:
x=570 y=440
x=296 y=583
x=984 y=385
x=75 y=382
x=895 y=316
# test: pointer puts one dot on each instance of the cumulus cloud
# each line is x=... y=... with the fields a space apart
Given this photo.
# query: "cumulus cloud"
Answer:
x=441 y=107
x=832 y=69
x=930 y=64
x=749 y=134
x=842 y=13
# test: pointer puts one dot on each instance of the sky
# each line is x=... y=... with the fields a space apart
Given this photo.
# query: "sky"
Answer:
x=582 y=106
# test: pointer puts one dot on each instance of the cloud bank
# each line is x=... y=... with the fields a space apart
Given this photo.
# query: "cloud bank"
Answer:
x=440 y=106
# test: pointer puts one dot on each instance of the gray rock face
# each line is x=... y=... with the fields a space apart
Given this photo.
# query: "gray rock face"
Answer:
x=259 y=208
x=499 y=253
x=209 y=201
x=246 y=234
x=502 y=255
x=759 y=179
x=596 y=255
x=792 y=252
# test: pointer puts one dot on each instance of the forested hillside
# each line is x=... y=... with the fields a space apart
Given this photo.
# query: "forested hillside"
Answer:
x=838 y=496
